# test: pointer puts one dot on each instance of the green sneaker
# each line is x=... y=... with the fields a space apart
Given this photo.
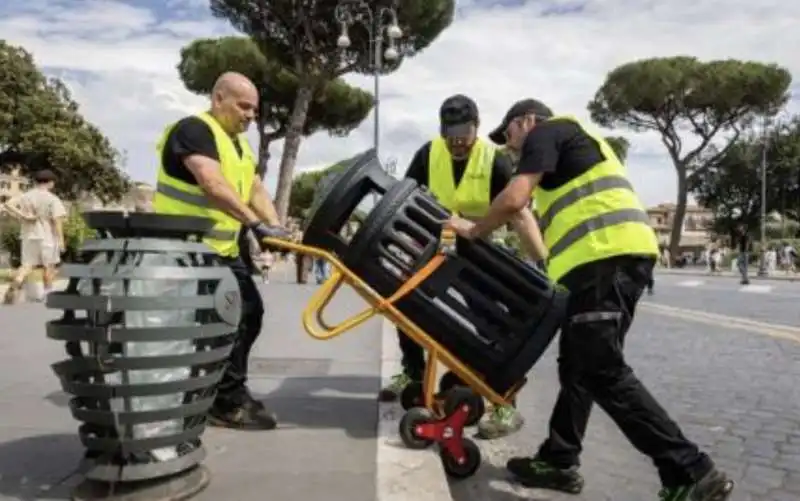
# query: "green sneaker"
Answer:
x=714 y=486
x=537 y=474
x=503 y=420
x=395 y=387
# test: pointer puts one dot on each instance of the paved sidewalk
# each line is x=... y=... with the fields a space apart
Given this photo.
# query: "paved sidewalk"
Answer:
x=324 y=394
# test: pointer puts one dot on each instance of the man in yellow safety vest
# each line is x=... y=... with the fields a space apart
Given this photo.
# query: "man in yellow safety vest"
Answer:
x=208 y=169
x=464 y=173
x=602 y=249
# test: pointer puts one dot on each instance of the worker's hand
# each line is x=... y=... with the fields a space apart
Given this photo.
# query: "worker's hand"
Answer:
x=262 y=231
x=463 y=227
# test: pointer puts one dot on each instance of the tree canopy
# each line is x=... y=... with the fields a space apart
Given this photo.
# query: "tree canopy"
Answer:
x=336 y=106
x=620 y=145
x=731 y=185
x=692 y=105
x=41 y=128
x=302 y=37
x=304 y=187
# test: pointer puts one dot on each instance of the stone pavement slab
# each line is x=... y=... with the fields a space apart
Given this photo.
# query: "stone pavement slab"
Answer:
x=734 y=392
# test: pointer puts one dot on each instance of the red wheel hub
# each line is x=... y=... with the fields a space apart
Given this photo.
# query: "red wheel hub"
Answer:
x=448 y=432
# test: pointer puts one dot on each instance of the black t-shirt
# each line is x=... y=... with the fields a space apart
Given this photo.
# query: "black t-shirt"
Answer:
x=559 y=149
x=502 y=169
x=190 y=136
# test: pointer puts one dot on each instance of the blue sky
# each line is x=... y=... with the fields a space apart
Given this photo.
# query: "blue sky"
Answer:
x=119 y=57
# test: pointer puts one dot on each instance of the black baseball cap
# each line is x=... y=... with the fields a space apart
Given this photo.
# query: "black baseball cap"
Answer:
x=457 y=114
x=520 y=109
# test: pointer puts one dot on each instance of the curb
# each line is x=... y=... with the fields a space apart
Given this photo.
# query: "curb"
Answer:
x=698 y=273
x=403 y=474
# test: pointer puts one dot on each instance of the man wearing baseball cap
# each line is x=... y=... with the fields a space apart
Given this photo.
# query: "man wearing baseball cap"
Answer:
x=464 y=173
x=602 y=249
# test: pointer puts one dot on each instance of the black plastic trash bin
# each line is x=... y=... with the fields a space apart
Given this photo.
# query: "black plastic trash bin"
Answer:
x=149 y=320
x=493 y=311
x=338 y=198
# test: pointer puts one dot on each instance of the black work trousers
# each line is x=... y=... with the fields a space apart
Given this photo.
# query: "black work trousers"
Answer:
x=592 y=368
x=232 y=390
x=413 y=357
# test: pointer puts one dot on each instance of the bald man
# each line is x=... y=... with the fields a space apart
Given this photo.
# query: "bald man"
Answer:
x=208 y=169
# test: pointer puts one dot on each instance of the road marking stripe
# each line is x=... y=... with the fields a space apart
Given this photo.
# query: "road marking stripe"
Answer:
x=691 y=283
x=772 y=330
x=403 y=474
x=757 y=289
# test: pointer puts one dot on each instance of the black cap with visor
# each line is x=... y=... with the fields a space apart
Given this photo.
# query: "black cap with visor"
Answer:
x=517 y=110
x=457 y=115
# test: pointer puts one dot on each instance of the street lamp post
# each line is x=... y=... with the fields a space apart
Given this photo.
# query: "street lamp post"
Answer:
x=762 y=265
x=376 y=20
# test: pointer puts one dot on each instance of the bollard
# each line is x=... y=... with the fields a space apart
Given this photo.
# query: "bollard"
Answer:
x=149 y=321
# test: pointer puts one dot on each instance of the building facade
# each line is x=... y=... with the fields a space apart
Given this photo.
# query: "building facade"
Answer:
x=695 y=232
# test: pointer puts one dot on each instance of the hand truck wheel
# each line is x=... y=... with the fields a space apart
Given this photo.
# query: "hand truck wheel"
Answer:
x=465 y=469
x=460 y=395
x=408 y=427
x=412 y=396
x=449 y=380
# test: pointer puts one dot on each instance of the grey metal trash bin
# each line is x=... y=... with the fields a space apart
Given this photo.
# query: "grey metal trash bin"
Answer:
x=149 y=321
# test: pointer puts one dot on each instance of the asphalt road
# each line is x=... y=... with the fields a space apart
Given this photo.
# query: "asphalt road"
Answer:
x=733 y=386
x=773 y=301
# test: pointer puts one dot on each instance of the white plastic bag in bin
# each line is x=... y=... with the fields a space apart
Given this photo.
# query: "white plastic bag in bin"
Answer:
x=165 y=318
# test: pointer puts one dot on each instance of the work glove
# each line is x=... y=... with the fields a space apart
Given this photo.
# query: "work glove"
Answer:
x=263 y=230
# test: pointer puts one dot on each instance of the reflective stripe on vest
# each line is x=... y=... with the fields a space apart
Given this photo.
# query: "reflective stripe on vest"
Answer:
x=579 y=192
x=199 y=201
x=472 y=196
x=177 y=197
x=593 y=217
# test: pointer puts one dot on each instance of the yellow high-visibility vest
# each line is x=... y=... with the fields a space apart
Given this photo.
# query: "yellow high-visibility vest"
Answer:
x=595 y=216
x=472 y=197
x=177 y=197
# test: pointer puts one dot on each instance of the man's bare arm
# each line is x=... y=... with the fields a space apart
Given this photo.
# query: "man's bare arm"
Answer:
x=530 y=238
x=12 y=206
x=261 y=204
x=58 y=228
x=208 y=174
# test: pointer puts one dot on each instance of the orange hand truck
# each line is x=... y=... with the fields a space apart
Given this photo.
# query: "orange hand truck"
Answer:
x=431 y=417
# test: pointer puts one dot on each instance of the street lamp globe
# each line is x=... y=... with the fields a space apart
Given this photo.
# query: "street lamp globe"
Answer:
x=391 y=54
x=343 y=41
x=394 y=32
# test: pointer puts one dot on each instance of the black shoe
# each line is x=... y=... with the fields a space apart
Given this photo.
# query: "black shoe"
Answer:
x=251 y=415
x=714 y=486
x=392 y=391
x=535 y=473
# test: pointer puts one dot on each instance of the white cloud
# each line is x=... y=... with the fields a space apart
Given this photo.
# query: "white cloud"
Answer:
x=120 y=60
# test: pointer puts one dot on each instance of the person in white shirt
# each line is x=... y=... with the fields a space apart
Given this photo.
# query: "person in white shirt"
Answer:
x=41 y=215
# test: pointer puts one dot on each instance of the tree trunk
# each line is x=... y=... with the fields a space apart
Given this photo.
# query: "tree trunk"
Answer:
x=680 y=213
x=291 y=145
x=263 y=147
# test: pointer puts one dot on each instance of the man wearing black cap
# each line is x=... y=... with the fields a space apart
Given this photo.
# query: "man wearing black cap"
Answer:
x=602 y=249
x=465 y=173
